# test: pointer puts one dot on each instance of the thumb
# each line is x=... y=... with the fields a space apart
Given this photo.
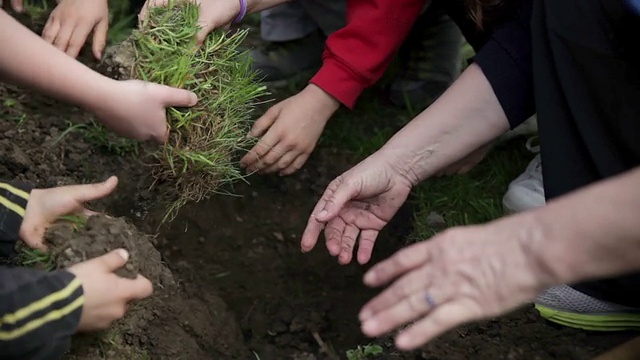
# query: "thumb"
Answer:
x=334 y=198
x=88 y=192
x=174 y=97
x=264 y=122
x=100 y=37
x=113 y=260
x=138 y=288
x=17 y=5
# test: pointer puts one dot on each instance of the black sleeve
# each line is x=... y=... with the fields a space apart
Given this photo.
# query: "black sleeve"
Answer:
x=13 y=203
x=507 y=61
x=39 y=312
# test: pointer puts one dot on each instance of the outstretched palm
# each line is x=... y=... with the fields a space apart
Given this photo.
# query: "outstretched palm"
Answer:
x=356 y=205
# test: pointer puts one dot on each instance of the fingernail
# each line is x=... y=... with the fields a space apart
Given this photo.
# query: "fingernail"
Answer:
x=403 y=341
x=194 y=98
x=369 y=326
x=365 y=315
x=124 y=253
x=369 y=278
x=322 y=214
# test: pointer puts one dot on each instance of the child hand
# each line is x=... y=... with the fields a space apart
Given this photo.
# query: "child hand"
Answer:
x=137 y=109
x=16 y=5
x=45 y=206
x=106 y=295
x=71 y=22
x=213 y=14
x=293 y=128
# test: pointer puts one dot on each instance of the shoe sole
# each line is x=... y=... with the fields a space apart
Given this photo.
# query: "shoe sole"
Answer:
x=591 y=322
x=300 y=77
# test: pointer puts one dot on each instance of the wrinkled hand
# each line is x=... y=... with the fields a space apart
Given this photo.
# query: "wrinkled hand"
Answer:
x=461 y=275
x=292 y=128
x=107 y=295
x=45 y=206
x=213 y=14
x=137 y=109
x=71 y=22
x=16 y=5
x=357 y=204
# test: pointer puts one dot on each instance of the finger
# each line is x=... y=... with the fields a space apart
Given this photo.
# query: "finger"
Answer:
x=88 y=192
x=17 y=5
x=89 y=213
x=444 y=317
x=272 y=157
x=296 y=165
x=138 y=288
x=64 y=35
x=113 y=260
x=284 y=162
x=314 y=226
x=174 y=97
x=335 y=200
x=365 y=245
x=265 y=121
x=50 y=30
x=414 y=282
x=333 y=235
x=349 y=237
x=400 y=303
x=258 y=151
x=313 y=229
x=77 y=39
x=401 y=262
x=100 y=37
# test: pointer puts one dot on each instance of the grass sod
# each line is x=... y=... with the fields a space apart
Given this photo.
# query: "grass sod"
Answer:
x=200 y=155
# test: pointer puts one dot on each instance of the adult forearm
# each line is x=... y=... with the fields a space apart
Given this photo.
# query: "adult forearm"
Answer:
x=467 y=116
x=34 y=63
x=591 y=233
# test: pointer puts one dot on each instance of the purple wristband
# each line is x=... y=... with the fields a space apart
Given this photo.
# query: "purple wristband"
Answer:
x=242 y=13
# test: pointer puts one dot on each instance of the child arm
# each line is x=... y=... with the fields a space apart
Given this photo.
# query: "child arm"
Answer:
x=39 y=311
x=28 y=60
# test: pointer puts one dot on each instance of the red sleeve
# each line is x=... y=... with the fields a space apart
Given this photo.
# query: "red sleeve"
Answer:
x=356 y=56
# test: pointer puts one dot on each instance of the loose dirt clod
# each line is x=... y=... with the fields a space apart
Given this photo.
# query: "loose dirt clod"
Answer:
x=200 y=155
x=168 y=325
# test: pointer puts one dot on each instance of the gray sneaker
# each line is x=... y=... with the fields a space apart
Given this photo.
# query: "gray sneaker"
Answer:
x=279 y=62
x=526 y=192
x=569 y=307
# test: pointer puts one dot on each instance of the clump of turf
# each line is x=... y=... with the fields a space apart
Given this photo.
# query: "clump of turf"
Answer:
x=200 y=154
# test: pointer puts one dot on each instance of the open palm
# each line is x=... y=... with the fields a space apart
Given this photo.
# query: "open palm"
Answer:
x=354 y=208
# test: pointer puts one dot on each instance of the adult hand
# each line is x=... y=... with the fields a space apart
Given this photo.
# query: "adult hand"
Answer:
x=357 y=205
x=461 y=275
x=292 y=128
x=45 y=206
x=16 y=5
x=71 y=22
x=137 y=109
x=107 y=295
x=213 y=14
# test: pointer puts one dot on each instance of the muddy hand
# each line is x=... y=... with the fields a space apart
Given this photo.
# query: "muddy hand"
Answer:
x=45 y=206
x=461 y=275
x=107 y=295
x=354 y=208
x=289 y=132
x=16 y=5
x=71 y=22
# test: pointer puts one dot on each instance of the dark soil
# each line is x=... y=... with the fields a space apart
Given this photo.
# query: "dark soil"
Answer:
x=235 y=285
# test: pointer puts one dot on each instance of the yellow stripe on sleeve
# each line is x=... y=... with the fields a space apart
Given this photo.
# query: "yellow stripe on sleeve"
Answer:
x=12 y=206
x=36 y=323
x=43 y=303
x=15 y=191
